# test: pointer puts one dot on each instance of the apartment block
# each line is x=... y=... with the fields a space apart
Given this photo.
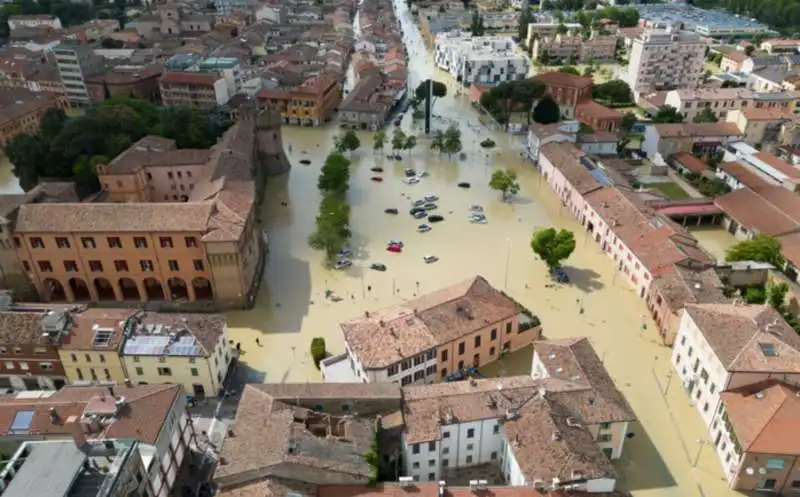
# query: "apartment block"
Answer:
x=193 y=88
x=312 y=103
x=29 y=343
x=763 y=127
x=119 y=346
x=548 y=29
x=597 y=143
x=154 y=416
x=723 y=101
x=91 y=469
x=665 y=59
x=75 y=64
x=736 y=363
x=595 y=48
x=480 y=60
x=698 y=139
x=428 y=339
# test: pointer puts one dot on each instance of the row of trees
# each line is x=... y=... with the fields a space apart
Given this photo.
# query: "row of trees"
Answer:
x=669 y=114
x=67 y=148
x=400 y=141
x=448 y=141
x=332 y=231
x=613 y=92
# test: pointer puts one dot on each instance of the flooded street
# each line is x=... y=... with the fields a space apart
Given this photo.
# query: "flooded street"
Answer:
x=8 y=182
x=716 y=241
x=291 y=310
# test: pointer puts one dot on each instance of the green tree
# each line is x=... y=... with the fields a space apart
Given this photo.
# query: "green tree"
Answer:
x=476 y=27
x=776 y=295
x=451 y=143
x=398 y=139
x=347 y=142
x=749 y=49
x=629 y=119
x=525 y=18
x=318 y=350
x=667 y=114
x=334 y=174
x=332 y=226
x=439 y=90
x=569 y=70
x=706 y=115
x=561 y=29
x=85 y=174
x=379 y=140
x=761 y=248
x=553 y=246
x=437 y=143
x=505 y=182
x=615 y=92
x=410 y=143
x=546 y=111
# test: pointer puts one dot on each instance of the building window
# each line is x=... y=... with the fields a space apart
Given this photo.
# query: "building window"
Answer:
x=88 y=358
x=46 y=366
x=460 y=365
x=605 y=426
x=146 y=265
x=136 y=358
x=470 y=446
x=73 y=358
x=444 y=355
x=431 y=463
x=477 y=341
x=469 y=459
x=493 y=456
x=444 y=372
x=496 y=429
x=604 y=437
x=431 y=446
x=461 y=348
x=471 y=433
x=165 y=241
x=121 y=266
x=775 y=463
x=96 y=266
x=431 y=476
x=198 y=265
x=16 y=242
x=71 y=266
x=88 y=242
x=164 y=372
x=37 y=242
x=191 y=242
x=493 y=335
x=9 y=364
x=107 y=374
x=26 y=266
x=195 y=372
x=173 y=265
x=139 y=242
x=508 y=328
x=445 y=463
x=415 y=465
x=45 y=267
x=79 y=373
x=415 y=449
x=114 y=242
x=139 y=371
x=62 y=242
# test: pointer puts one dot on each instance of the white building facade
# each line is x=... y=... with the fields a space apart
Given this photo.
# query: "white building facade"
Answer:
x=665 y=59
x=420 y=369
x=480 y=60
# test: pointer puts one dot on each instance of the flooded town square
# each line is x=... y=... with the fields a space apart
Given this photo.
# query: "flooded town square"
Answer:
x=660 y=459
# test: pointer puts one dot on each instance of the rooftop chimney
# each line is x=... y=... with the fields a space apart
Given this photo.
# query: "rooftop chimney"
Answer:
x=78 y=435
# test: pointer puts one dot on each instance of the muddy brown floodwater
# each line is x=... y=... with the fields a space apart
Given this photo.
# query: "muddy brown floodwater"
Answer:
x=291 y=309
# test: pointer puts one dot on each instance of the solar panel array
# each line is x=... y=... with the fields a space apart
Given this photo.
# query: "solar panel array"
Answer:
x=162 y=345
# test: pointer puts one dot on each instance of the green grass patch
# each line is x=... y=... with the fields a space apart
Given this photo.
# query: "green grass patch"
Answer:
x=670 y=189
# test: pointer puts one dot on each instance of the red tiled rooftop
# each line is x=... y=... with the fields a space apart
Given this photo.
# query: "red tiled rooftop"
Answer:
x=189 y=78
x=594 y=109
x=742 y=173
x=779 y=164
x=690 y=162
x=557 y=78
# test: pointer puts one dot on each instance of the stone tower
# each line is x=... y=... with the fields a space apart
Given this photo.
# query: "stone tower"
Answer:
x=269 y=143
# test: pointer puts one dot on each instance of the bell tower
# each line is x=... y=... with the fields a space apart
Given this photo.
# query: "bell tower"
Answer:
x=269 y=143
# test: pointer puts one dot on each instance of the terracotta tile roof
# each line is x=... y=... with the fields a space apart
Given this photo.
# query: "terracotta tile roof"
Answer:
x=575 y=360
x=270 y=487
x=81 y=334
x=22 y=328
x=736 y=56
x=292 y=391
x=765 y=418
x=127 y=75
x=142 y=418
x=117 y=217
x=567 y=158
x=387 y=336
x=681 y=285
x=764 y=114
x=744 y=174
x=594 y=109
x=735 y=333
x=154 y=151
x=690 y=162
x=770 y=210
x=657 y=242
x=556 y=78
x=269 y=433
x=432 y=490
x=790 y=248
x=189 y=78
x=549 y=442
x=697 y=130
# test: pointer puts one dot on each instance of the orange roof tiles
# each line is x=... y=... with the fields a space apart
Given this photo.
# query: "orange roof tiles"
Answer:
x=594 y=109
x=557 y=78
x=690 y=162
x=743 y=174
x=190 y=78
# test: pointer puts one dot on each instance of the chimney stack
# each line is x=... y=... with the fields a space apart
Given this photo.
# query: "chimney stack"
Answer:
x=78 y=435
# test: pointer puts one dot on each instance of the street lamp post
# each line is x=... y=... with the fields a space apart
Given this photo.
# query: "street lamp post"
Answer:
x=700 y=444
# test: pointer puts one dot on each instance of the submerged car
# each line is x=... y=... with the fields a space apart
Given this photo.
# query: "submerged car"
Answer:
x=376 y=169
x=395 y=242
x=343 y=264
x=418 y=203
x=429 y=259
x=464 y=184
x=478 y=219
x=390 y=211
x=435 y=218
x=305 y=162
x=395 y=248
x=431 y=197
x=344 y=253
x=411 y=181
x=424 y=228
x=376 y=179
x=560 y=275
x=419 y=214
x=430 y=206
x=476 y=208
x=377 y=266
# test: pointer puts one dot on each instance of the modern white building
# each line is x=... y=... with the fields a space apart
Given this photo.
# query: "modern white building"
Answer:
x=480 y=60
x=598 y=143
x=33 y=21
x=665 y=59
x=722 y=347
x=75 y=64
